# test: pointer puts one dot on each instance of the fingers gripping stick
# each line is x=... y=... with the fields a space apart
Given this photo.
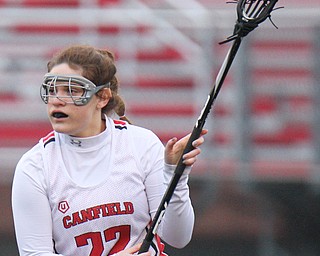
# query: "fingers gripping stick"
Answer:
x=250 y=15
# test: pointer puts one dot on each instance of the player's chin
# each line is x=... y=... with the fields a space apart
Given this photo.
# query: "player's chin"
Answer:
x=61 y=127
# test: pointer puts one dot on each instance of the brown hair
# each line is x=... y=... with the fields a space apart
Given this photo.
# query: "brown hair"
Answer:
x=98 y=66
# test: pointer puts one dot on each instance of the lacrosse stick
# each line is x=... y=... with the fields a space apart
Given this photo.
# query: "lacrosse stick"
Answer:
x=250 y=14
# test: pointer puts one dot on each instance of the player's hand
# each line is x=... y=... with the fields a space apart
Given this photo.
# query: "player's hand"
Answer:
x=175 y=147
x=131 y=251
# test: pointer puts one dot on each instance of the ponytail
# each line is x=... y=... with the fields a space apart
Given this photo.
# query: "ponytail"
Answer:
x=120 y=109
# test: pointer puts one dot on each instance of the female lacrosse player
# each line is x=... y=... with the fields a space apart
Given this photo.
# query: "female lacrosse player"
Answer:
x=92 y=186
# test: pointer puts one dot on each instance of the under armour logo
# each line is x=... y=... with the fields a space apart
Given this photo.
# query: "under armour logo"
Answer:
x=63 y=206
x=76 y=142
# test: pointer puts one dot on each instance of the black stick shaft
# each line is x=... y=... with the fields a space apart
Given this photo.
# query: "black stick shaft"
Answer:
x=194 y=135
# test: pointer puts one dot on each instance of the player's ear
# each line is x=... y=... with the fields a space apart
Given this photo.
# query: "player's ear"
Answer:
x=104 y=96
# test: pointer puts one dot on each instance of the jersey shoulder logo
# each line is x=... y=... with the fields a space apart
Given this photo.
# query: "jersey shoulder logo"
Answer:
x=63 y=206
x=47 y=139
x=118 y=124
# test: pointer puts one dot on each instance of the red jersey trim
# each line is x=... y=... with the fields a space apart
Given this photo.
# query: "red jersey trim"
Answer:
x=160 y=245
x=118 y=124
x=49 y=138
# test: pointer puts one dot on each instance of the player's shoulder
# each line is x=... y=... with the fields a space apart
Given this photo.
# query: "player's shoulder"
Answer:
x=125 y=126
x=32 y=158
x=32 y=161
x=37 y=149
x=34 y=154
x=137 y=132
x=30 y=168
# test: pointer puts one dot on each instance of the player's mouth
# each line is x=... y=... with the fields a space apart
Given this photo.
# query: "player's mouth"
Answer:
x=59 y=115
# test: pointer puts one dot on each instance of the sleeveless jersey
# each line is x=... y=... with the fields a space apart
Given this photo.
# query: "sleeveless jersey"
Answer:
x=105 y=218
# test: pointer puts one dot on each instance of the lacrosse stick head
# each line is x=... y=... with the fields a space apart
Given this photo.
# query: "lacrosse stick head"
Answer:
x=250 y=14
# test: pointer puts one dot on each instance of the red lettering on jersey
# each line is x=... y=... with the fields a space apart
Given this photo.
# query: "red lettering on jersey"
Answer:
x=111 y=210
x=76 y=219
x=117 y=207
x=86 y=214
x=97 y=212
x=104 y=210
x=66 y=222
x=129 y=207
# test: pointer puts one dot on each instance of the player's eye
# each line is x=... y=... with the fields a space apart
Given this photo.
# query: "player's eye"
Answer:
x=76 y=90
x=50 y=89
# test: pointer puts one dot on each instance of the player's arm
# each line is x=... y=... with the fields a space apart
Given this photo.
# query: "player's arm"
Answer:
x=177 y=226
x=31 y=209
x=179 y=216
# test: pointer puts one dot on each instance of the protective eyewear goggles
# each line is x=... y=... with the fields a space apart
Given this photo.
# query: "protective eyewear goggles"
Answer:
x=71 y=89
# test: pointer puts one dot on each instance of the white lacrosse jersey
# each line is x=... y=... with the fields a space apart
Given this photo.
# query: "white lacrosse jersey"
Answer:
x=101 y=191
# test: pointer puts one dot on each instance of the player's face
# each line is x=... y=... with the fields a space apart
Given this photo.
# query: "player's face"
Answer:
x=79 y=121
